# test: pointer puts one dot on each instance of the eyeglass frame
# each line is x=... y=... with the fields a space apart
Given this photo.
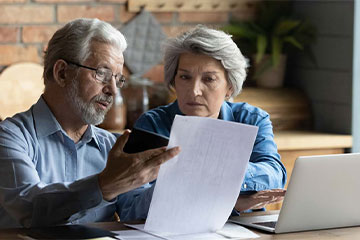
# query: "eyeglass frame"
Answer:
x=119 y=83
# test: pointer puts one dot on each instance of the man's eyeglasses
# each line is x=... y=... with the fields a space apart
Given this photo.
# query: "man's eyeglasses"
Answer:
x=104 y=75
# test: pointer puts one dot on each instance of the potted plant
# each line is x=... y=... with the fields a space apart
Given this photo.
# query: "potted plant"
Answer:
x=272 y=34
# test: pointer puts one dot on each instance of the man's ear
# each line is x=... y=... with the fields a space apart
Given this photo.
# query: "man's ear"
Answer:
x=59 y=72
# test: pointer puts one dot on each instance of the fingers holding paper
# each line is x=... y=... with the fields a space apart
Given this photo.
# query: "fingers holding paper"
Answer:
x=124 y=172
x=259 y=199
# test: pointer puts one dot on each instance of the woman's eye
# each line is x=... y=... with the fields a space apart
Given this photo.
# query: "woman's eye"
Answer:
x=185 y=77
x=209 y=79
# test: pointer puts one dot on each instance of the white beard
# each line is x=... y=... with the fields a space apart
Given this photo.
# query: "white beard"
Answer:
x=88 y=111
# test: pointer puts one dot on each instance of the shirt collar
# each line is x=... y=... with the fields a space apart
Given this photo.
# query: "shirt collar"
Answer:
x=46 y=123
x=226 y=112
x=175 y=108
x=90 y=135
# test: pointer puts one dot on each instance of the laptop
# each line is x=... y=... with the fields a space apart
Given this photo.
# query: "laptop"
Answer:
x=323 y=192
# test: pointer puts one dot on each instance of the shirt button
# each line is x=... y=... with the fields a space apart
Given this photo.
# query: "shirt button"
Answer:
x=245 y=186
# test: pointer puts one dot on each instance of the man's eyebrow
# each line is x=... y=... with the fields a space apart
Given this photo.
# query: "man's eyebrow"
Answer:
x=106 y=66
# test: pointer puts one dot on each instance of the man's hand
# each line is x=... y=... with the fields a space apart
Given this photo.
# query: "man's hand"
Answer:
x=124 y=172
x=259 y=199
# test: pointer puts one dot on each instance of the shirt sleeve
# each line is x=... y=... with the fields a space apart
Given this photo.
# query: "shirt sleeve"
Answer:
x=265 y=169
x=134 y=205
x=32 y=202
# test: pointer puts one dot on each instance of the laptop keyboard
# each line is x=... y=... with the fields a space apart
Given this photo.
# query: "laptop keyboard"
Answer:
x=270 y=224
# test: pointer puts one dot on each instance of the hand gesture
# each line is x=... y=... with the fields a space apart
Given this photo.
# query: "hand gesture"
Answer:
x=259 y=199
x=124 y=172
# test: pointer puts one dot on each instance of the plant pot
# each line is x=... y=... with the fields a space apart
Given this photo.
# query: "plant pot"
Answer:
x=272 y=77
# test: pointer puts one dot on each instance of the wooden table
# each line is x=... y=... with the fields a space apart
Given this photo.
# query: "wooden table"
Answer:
x=350 y=233
x=293 y=144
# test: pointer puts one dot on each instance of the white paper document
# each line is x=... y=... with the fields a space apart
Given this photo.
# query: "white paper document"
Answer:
x=196 y=191
x=229 y=231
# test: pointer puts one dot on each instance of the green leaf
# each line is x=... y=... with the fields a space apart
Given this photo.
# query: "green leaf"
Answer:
x=261 y=47
x=263 y=67
x=240 y=30
x=276 y=50
x=285 y=26
x=256 y=28
x=275 y=30
x=294 y=42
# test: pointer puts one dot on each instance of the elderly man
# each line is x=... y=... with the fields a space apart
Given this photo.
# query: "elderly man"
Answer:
x=55 y=166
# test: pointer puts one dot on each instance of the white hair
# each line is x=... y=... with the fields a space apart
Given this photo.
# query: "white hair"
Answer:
x=72 y=42
x=214 y=43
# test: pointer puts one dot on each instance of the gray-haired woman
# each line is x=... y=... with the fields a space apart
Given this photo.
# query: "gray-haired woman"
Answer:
x=205 y=68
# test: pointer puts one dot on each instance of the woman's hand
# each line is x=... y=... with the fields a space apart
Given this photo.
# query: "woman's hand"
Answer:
x=259 y=199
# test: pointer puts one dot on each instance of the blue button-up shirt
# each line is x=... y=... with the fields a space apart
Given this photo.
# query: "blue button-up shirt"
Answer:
x=46 y=178
x=265 y=170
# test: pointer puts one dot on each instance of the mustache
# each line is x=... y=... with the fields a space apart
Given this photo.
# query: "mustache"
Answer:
x=104 y=98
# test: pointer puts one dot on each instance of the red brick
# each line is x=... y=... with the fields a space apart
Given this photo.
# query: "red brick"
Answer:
x=164 y=17
x=69 y=12
x=10 y=54
x=61 y=1
x=246 y=13
x=203 y=17
x=9 y=34
x=172 y=31
x=33 y=34
x=26 y=14
x=13 y=1
x=125 y=16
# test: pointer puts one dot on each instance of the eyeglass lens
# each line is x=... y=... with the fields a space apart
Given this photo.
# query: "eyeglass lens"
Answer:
x=105 y=75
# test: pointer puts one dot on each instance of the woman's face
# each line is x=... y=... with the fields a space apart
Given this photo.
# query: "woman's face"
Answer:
x=201 y=85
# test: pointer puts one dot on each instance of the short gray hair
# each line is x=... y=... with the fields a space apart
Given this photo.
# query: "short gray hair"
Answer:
x=72 y=42
x=211 y=42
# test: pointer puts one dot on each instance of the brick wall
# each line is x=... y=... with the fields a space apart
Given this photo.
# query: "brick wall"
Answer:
x=27 y=25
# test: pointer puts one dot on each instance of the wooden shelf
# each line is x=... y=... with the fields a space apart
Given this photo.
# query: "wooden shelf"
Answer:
x=191 y=6
x=306 y=140
x=288 y=108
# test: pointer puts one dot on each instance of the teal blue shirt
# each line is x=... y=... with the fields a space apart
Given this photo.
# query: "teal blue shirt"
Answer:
x=265 y=169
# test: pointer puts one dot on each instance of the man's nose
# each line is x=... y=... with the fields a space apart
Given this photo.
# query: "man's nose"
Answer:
x=111 y=88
